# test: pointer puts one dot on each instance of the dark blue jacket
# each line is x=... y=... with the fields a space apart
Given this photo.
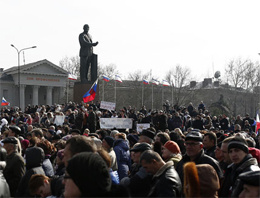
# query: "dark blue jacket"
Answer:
x=121 y=149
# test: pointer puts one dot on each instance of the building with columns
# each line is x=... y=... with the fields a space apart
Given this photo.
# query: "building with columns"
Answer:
x=41 y=82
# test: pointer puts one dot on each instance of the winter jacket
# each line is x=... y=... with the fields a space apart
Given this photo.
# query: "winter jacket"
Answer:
x=47 y=167
x=57 y=186
x=14 y=171
x=121 y=149
x=138 y=183
x=201 y=159
x=166 y=182
x=248 y=164
x=210 y=152
x=34 y=160
x=4 y=188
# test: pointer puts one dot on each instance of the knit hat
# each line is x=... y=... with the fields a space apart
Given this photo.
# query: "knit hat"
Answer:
x=109 y=140
x=172 y=146
x=25 y=143
x=132 y=138
x=90 y=173
x=238 y=142
x=148 y=133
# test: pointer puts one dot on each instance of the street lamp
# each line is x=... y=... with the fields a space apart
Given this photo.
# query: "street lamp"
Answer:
x=18 y=52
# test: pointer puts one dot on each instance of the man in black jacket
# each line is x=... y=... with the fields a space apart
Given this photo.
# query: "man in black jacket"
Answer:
x=165 y=181
x=15 y=167
x=195 y=153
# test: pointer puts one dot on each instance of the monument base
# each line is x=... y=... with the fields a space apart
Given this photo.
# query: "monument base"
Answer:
x=81 y=88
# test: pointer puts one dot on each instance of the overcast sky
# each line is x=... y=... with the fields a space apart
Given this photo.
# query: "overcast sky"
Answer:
x=134 y=35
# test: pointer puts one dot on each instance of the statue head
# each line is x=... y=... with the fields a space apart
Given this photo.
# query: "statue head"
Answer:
x=86 y=28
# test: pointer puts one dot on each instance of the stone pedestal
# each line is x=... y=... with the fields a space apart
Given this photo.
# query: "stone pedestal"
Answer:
x=81 y=88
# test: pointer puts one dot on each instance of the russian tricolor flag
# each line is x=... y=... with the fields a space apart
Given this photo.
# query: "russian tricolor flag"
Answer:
x=72 y=77
x=118 y=79
x=4 y=102
x=155 y=82
x=165 y=83
x=105 y=78
x=91 y=94
x=257 y=126
x=145 y=82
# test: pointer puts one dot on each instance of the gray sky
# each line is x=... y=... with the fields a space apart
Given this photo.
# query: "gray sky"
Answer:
x=134 y=35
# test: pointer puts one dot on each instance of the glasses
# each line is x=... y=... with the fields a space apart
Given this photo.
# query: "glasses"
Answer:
x=191 y=143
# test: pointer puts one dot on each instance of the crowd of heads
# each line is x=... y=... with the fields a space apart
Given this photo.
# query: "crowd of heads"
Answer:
x=81 y=159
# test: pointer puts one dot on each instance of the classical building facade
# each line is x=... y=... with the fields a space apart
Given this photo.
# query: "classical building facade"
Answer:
x=41 y=82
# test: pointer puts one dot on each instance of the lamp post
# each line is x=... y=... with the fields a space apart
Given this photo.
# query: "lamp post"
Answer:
x=18 y=52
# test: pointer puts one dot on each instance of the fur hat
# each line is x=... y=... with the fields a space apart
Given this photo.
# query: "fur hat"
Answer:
x=172 y=146
x=90 y=173
x=201 y=180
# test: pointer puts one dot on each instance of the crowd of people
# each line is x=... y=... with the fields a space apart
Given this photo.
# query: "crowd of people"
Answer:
x=186 y=152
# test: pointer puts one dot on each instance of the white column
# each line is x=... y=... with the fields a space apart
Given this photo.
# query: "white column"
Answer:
x=35 y=95
x=61 y=94
x=22 y=97
x=49 y=96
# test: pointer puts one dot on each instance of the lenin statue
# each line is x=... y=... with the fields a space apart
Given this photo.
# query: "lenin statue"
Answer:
x=86 y=54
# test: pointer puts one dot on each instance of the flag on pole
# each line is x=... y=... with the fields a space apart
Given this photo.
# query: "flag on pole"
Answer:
x=155 y=82
x=146 y=82
x=118 y=79
x=72 y=77
x=91 y=94
x=165 y=83
x=4 y=102
x=105 y=78
x=257 y=126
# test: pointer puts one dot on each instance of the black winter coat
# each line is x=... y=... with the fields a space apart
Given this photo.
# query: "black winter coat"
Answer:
x=34 y=159
x=235 y=187
x=166 y=182
x=201 y=159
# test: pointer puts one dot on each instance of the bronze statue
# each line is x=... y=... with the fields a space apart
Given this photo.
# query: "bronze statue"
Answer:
x=85 y=53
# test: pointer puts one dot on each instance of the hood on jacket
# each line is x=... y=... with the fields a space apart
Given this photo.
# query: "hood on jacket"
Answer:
x=34 y=157
x=122 y=143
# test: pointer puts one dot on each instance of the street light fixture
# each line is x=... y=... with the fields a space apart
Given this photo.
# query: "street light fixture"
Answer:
x=18 y=52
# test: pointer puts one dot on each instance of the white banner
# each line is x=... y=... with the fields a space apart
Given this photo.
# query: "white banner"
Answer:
x=140 y=127
x=119 y=123
x=107 y=105
x=59 y=120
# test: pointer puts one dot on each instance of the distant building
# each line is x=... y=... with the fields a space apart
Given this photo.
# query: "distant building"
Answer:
x=41 y=82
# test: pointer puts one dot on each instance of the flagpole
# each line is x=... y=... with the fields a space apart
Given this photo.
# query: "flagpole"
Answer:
x=143 y=94
x=152 y=96
x=67 y=98
x=103 y=91
x=115 y=91
x=162 y=94
x=172 y=94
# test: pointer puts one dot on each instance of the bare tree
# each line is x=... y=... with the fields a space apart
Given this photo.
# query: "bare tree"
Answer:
x=108 y=70
x=178 y=78
x=138 y=76
x=243 y=76
x=71 y=64
x=236 y=70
